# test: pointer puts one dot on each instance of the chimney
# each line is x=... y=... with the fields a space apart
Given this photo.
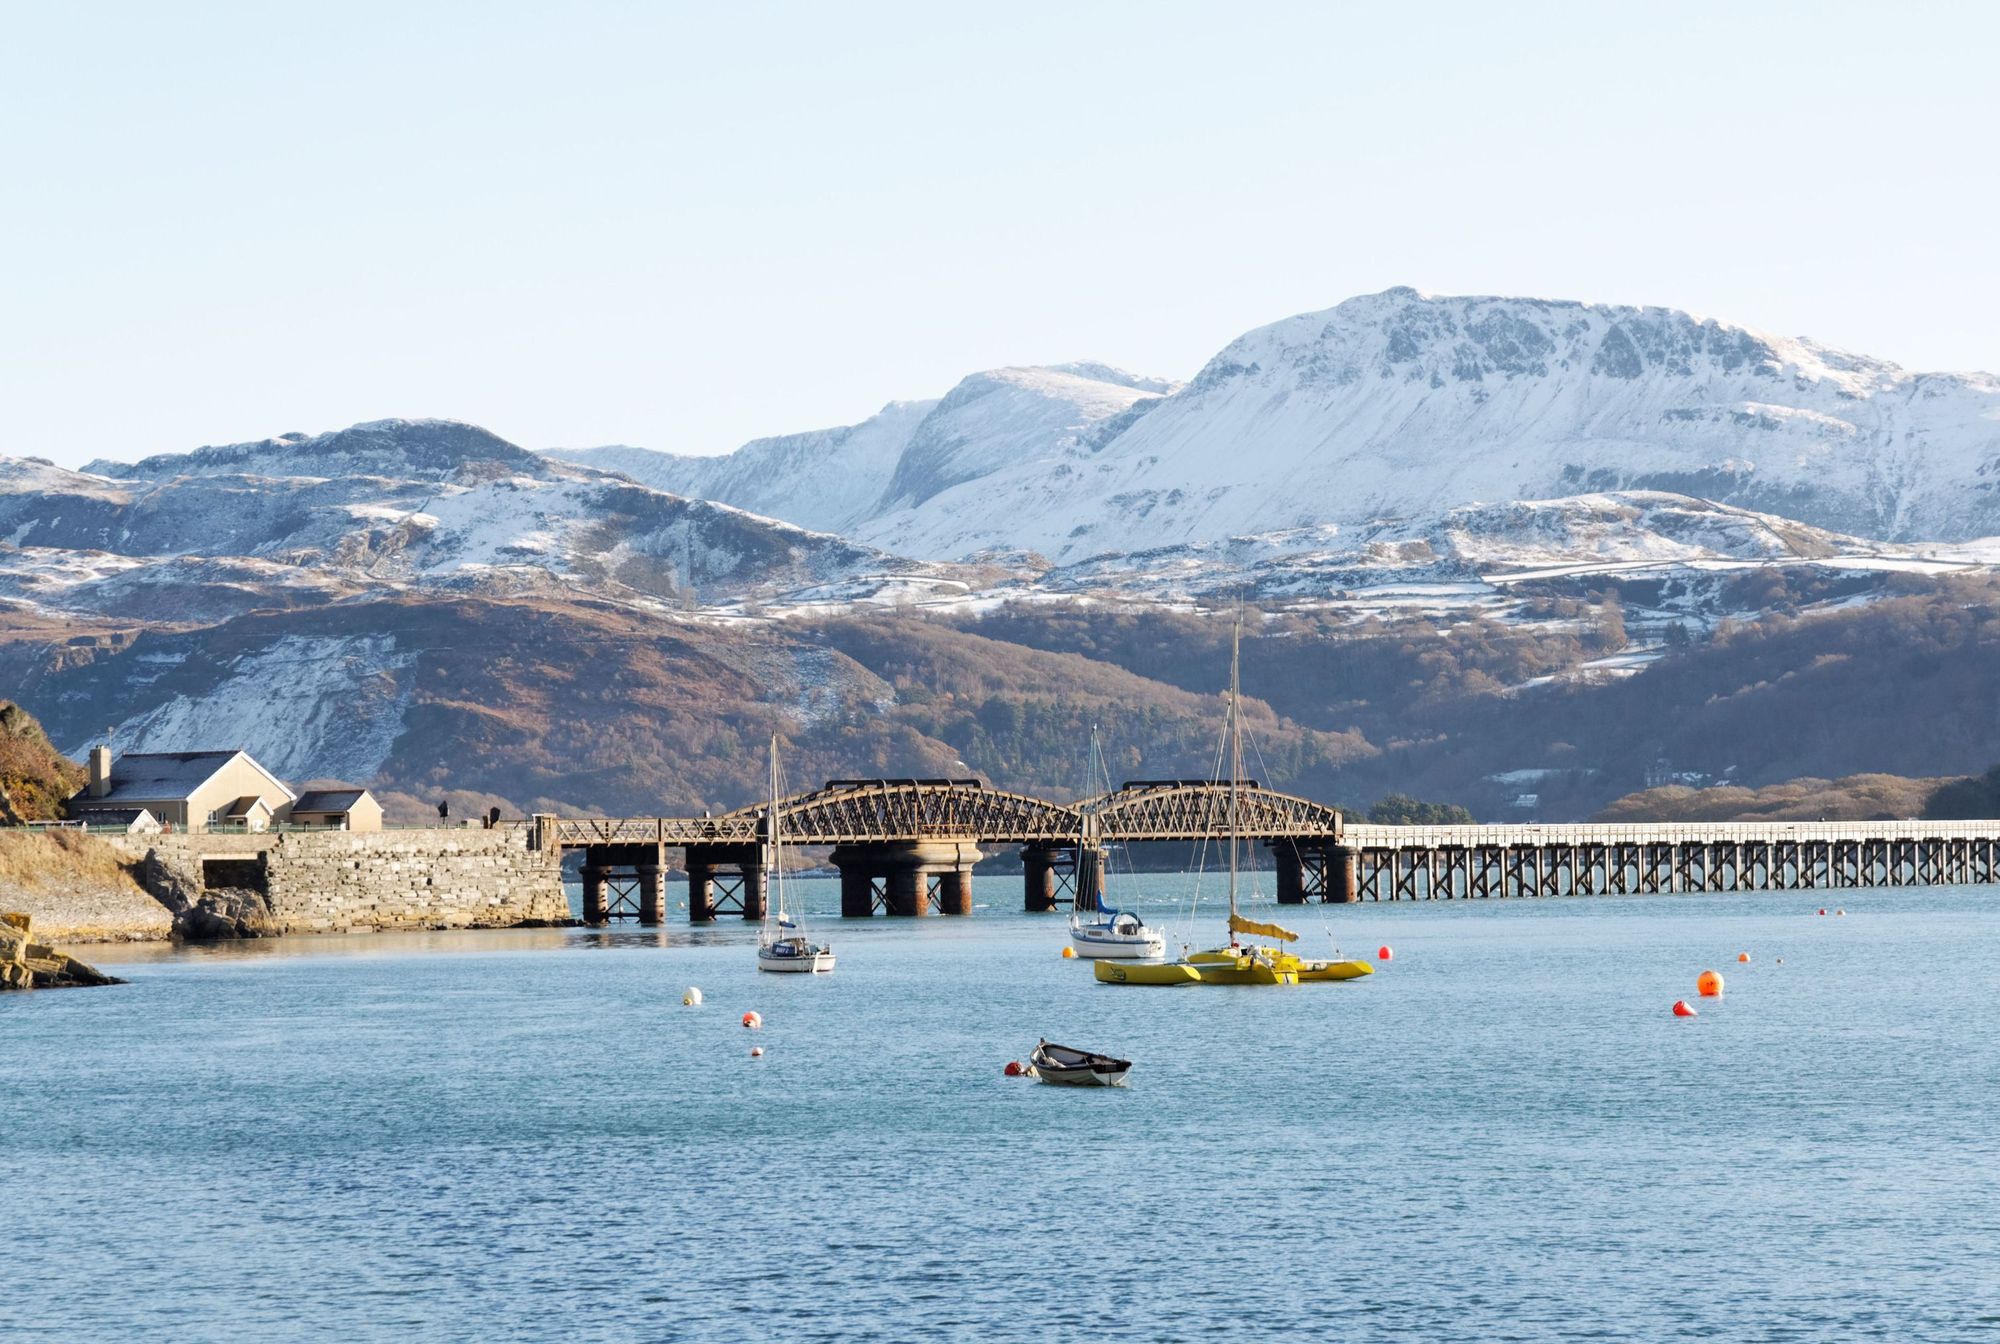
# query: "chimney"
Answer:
x=100 y=771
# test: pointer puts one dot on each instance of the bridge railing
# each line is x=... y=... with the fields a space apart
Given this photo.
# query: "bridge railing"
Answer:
x=1368 y=836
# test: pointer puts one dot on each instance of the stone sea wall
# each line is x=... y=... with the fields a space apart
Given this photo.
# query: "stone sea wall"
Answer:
x=250 y=885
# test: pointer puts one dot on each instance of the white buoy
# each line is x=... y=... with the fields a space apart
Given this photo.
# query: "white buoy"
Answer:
x=692 y=998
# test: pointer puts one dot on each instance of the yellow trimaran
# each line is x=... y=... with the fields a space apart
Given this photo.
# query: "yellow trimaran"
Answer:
x=1236 y=963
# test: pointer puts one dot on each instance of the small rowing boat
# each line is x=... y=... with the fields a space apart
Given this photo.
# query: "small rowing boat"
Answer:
x=1063 y=1066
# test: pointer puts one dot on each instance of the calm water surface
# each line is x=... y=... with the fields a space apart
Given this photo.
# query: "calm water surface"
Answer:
x=1502 y=1136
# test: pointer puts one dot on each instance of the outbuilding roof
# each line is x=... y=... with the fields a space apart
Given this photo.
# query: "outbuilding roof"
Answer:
x=328 y=800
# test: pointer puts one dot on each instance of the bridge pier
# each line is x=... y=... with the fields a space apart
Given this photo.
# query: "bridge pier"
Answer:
x=1055 y=873
x=955 y=892
x=701 y=891
x=857 y=893
x=593 y=894
x=725 y=879
x=904 y=873
x=1038 y=878
x=651 y=905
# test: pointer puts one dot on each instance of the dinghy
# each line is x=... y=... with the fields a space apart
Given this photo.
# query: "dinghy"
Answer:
x=1065 y=1067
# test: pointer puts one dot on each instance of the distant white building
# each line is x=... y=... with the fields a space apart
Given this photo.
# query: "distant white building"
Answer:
x=183 y=790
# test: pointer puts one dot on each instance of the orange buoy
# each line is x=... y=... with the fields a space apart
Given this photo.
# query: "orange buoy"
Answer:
x=753 y=1019
x=756 y=1052
x=1013 y=1069
x=1709 y=984
x=1743 y=956
x=1682 y=1008
x=1069 y=951
x=1385 y=953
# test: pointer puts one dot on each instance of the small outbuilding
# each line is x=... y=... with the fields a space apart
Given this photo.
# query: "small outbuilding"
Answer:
x=338 y=809
x=124 y=820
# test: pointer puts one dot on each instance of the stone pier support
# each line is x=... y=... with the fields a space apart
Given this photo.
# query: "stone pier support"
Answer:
x=701 y=892
x=857 y=893
x=1342 y=875
x=1038 y=878
x=905 y=869
x=651 y=904
x=909 y=893
x=593 y=894
x=753 y=892
x=955 y=892
x=1290 y=869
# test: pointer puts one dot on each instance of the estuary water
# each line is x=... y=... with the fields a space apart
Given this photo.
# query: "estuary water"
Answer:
x=1503 y=1135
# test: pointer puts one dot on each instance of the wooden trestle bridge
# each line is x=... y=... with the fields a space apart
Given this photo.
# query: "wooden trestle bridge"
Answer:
x=908 y=846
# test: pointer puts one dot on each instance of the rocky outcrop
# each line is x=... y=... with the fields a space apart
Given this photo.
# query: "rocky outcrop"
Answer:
x=198 y=911
x=27 y=964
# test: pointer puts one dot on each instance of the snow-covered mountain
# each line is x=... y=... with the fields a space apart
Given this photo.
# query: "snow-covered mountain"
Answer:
x=1401 y=405
x=838 y=480
x=434 y=504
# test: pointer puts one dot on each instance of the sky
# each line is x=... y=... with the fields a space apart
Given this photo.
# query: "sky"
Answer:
x=685 y=226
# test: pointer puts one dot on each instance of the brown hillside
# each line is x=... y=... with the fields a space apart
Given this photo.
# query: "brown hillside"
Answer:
x=1855 y=798
x=35 y=778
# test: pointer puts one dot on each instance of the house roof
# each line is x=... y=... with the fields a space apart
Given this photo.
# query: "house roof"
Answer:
x=161 y=776
x=328 y=800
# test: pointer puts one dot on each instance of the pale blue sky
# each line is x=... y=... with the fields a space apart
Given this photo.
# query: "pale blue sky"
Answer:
x=684 y=226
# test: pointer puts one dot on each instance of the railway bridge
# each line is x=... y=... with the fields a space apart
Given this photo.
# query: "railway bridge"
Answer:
x=908 y=846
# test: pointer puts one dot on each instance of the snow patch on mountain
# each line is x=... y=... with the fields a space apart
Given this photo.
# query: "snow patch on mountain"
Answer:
x=302 y=706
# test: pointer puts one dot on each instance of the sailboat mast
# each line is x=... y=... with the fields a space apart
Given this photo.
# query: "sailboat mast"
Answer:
x=1235 y=756
x=772 y=864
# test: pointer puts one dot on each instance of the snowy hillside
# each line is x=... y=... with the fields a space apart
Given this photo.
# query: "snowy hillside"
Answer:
x=1400 y=405
x=383 y=506
x=1486 y=545
x=837 y=480
x=825 y=479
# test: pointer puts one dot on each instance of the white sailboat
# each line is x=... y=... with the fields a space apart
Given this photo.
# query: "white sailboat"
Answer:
x=1119 y=935
x=782 y=944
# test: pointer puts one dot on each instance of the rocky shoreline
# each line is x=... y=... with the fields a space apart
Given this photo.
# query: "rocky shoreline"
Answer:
x=27 y=964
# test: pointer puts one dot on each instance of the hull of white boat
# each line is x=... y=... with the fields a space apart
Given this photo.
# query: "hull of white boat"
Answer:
x=819 y=962
x=1122 y=947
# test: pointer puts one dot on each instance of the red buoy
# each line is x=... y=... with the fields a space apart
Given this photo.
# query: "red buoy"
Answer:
x=1682 y=1008
x=1013 y=1069
x=1822 y=909
x=753 y=1019
x=1385 y=953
